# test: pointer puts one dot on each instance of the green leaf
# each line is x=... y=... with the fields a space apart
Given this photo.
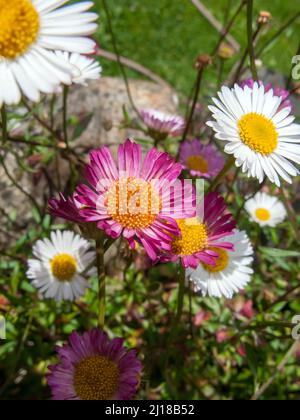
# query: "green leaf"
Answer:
x=278 y=253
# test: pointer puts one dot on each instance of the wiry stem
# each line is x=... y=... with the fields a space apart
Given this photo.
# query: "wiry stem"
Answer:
x=4 y=123
x=101 y=282
x=177 y=318
x=250 y=39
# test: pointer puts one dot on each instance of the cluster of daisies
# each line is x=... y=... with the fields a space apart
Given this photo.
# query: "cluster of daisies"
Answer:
x=45 y=44
x=144 y=200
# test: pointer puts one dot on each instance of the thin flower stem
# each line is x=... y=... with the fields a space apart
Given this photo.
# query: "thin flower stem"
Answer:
x=4 y=123
x=222 y=174
x=43 y=123
x=52 y=110
x=179 y=311
x=250 y=39
x=241 y=69
x=194 y=104
x=279 y=369
x=229 y=26
x=65 y=114
x=101 y=282
x=32 y=143
x=119 y=60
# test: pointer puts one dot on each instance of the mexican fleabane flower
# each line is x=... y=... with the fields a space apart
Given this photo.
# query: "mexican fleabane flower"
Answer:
x=30 y=32
x=87 y=68
x=93 y=367
x=231 y=273
x=201 y=160
x=266 y=210
x=263 y=140
x=136 y=198
x=200 y=235
x=59 y=266
x=164 y=124
x=282 y=93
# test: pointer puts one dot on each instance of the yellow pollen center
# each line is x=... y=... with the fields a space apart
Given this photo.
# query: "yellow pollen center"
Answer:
x=258 y=132
x=221 y=262
x=63 y=267
x=197 y=163
x=263 y=214
x=19 y=27
x=96 y=378
x=133 y=203
x=193 y=237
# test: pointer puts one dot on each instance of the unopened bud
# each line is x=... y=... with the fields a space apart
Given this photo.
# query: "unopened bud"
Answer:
x=203 y=61
x=264 y=17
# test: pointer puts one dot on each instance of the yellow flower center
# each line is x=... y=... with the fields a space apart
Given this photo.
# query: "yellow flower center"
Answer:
x=258 y=132
x=63 y=267
x=133 y=203
x=197 y=163
x=221 y=262
x=193 y=237
x=96 y=378
x=263 y=214
x=19 y=27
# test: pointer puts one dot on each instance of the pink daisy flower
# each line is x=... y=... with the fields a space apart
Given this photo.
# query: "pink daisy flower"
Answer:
x=92 y=367
x=200 y=236
x=164 y=124
x=282 y=93
x=134 y=198
x=66 y=208
x=201 y=160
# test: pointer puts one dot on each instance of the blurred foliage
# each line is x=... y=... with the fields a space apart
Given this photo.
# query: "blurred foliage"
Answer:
x=173 y=33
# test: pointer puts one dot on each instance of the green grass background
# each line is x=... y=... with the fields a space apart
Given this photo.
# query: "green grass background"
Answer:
x=167 y=35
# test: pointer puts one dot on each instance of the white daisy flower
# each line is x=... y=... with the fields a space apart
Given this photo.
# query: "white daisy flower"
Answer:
x=30 y=32
x=87 y=68
x=60 y=263
x=262 y=138
x=266 y=210
x=231 y=273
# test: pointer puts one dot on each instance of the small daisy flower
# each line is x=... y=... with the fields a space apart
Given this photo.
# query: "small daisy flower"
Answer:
x=135 y=198
x=197 y=237
x=164 y=124
x=231 y=273
x=266 y=210
x=87 y=68
x=262 y=139
x=282 y=93
x=201 y=160
x=30 y=32
x=92 y=367
x=57 y=271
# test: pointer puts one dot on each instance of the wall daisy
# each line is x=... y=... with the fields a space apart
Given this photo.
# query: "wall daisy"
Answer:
x=30 y=32
x=136 y=197
x=88 y=68
x=231 y=273
x=263 y=139
x=92 y=367
x=57 y=271
x=266 y=210
x=197 y=237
